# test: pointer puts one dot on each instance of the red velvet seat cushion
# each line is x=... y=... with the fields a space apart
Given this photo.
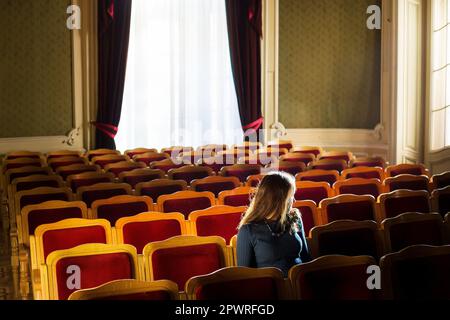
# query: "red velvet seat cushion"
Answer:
x=90 y=196
x=422 y=278
x=75 y=184
x=139 y=234
x=113 y=212
x=46 y=216
x=240 y=200
x=414 y=233
x=348 y=243
x=215 y=188
x=410 y=185
x=95 y=270
x=134 y=180
x=69 y=238
x=331 y=179
x=413 y=171
x=160 y=295
x=242 y=175
x=156 y=192
x=182 y=263
x=39 y=198
x=444 y=204
x=314 y=194
x=366 y=189
x=307 y=219
x=259 y=289
x=22 y=186
x=341 y=283
x=186 y=206
x=359 y=211
x=223 y=225
x=365 y=175
x=190 y=176
x=397 y=206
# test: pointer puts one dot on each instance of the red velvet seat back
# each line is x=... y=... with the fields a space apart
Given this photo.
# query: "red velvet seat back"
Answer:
x=20 y=165
x=337 y=157
x=182 y=263
x=223 y=225
x=370 y=163
x=103 y=163
x=113 y=212
x=413 y=233
x=360 y=190
x=358 y=211
x=167 y=167
x=156 y=192
x=365 y=175
x=444 y=204
x=56 y=165
x=305 y=160
x=39 y=198
x=134 y=180
x=75 y=184
x=409 y=185
x=422 y=278
x=356 y=242
x=307 y=219
x=149 y=160
x=46 y=216
x=340 y=283
x=114 y=266
x=397 y=206
x=190 y=176
x=216 y=187
x=314 y=194
x=139 y=234
x=117 y=171
x=27 y=174
x=291 y=170
x=242 y=175
x=64 y=174
x=331 y=179
x=413 y=171
x=90 y=196
x=442 y=183
x=69 y=238
x=329 y=166
x=28 y=185
x=259 y=289
x=186 y=206
x=239 y=200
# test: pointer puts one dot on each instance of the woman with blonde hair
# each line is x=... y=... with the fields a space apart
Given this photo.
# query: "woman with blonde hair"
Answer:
x=271 y=233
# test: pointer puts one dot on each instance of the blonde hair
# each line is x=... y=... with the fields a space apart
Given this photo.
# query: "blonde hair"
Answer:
x=272 y=199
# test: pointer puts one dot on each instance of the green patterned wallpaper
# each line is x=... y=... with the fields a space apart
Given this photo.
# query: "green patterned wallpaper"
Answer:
x=35 y=68
x=329 y=65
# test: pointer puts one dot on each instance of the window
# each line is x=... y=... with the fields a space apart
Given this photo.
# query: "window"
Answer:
x=179 y=88
x=440 y=77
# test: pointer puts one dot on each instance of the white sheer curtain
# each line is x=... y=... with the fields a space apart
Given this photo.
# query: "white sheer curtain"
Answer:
x=179 y=88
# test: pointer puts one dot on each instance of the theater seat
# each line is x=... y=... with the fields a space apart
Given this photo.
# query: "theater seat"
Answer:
x=414 y=169
x=22 y=154
x=305 y=158
x=417 y=273
x=166 y=165
x=102 y=161
x=215 y=184
x=364 y=173
x=123 y=166
x=348 y=207
x=12 y=174
x=313 y=150
x=281 y=144
x=136 y=176
x=63 y=154
x=329 y=164
x=309 y=213
x=76 y=169
x=55 y=163
x=347 y=237
x=185 y=202
x=156 y=188
x=403 y=201
x=407 y=182
x=240 y=171
x=180 y=258
x=314 y=191
x=138 y=151
x=239 y=197
x=238 y=284
x=368 y=162
x=440 y=200
x=333 y=278
x=440 y=181
x=316 y=175
x=359 y=186
x=20 y=163
x=150 y=157
x=253 y=181
x=189 y=173
x=87 y=179
x=337 y=155
x=101 y=191
x=126 y=290
x=101 y=152
x=290 y=167
x=410 y=229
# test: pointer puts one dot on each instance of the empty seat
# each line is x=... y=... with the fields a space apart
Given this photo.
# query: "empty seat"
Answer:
x=406 y=181
x=364 y=173
x=313 y=150
x=440 y=181
x=150 y=157
x=238 y=284
x=329 y=176
x=309 y=213
x=417 y=273
x=337 y=155
x=118 y=207
x=20 y=163
x=348 y=207
x=55 y=163
x=156 y=188
x=272 y=151
x=36 y=181
x=180 y=258
x=117 y=262
x=185 y=202
x=125 y=290
x=329 y=164
x=75 y=169
x=87 y=179
x=166 y=165
x=12 y=174
x=192 y=157
x=136 y=176
x=403 y=201
x=248 y=146
x=368 y=162
x=359 y=186
x=149 y=227
x=137 y=151
x=102 y=161
x=305 y=158
x=348 y=238
x=240 y=171
x=123 y=166
x=414 y=169
x=259 y=159
x=102 y=191
x=281 y=144
x=239 y=197
x=440 y=200
x=290 y=167
x=314 y=191
x=215 y=184
x=63 y=154
x=22 y=154
x=333 y=278
x=219 y=221
x=410 y=229
x=100 y=152
x=190 y=173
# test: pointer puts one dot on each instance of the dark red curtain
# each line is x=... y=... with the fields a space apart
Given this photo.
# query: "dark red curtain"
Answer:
x=113 y=37
x=244 y=18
